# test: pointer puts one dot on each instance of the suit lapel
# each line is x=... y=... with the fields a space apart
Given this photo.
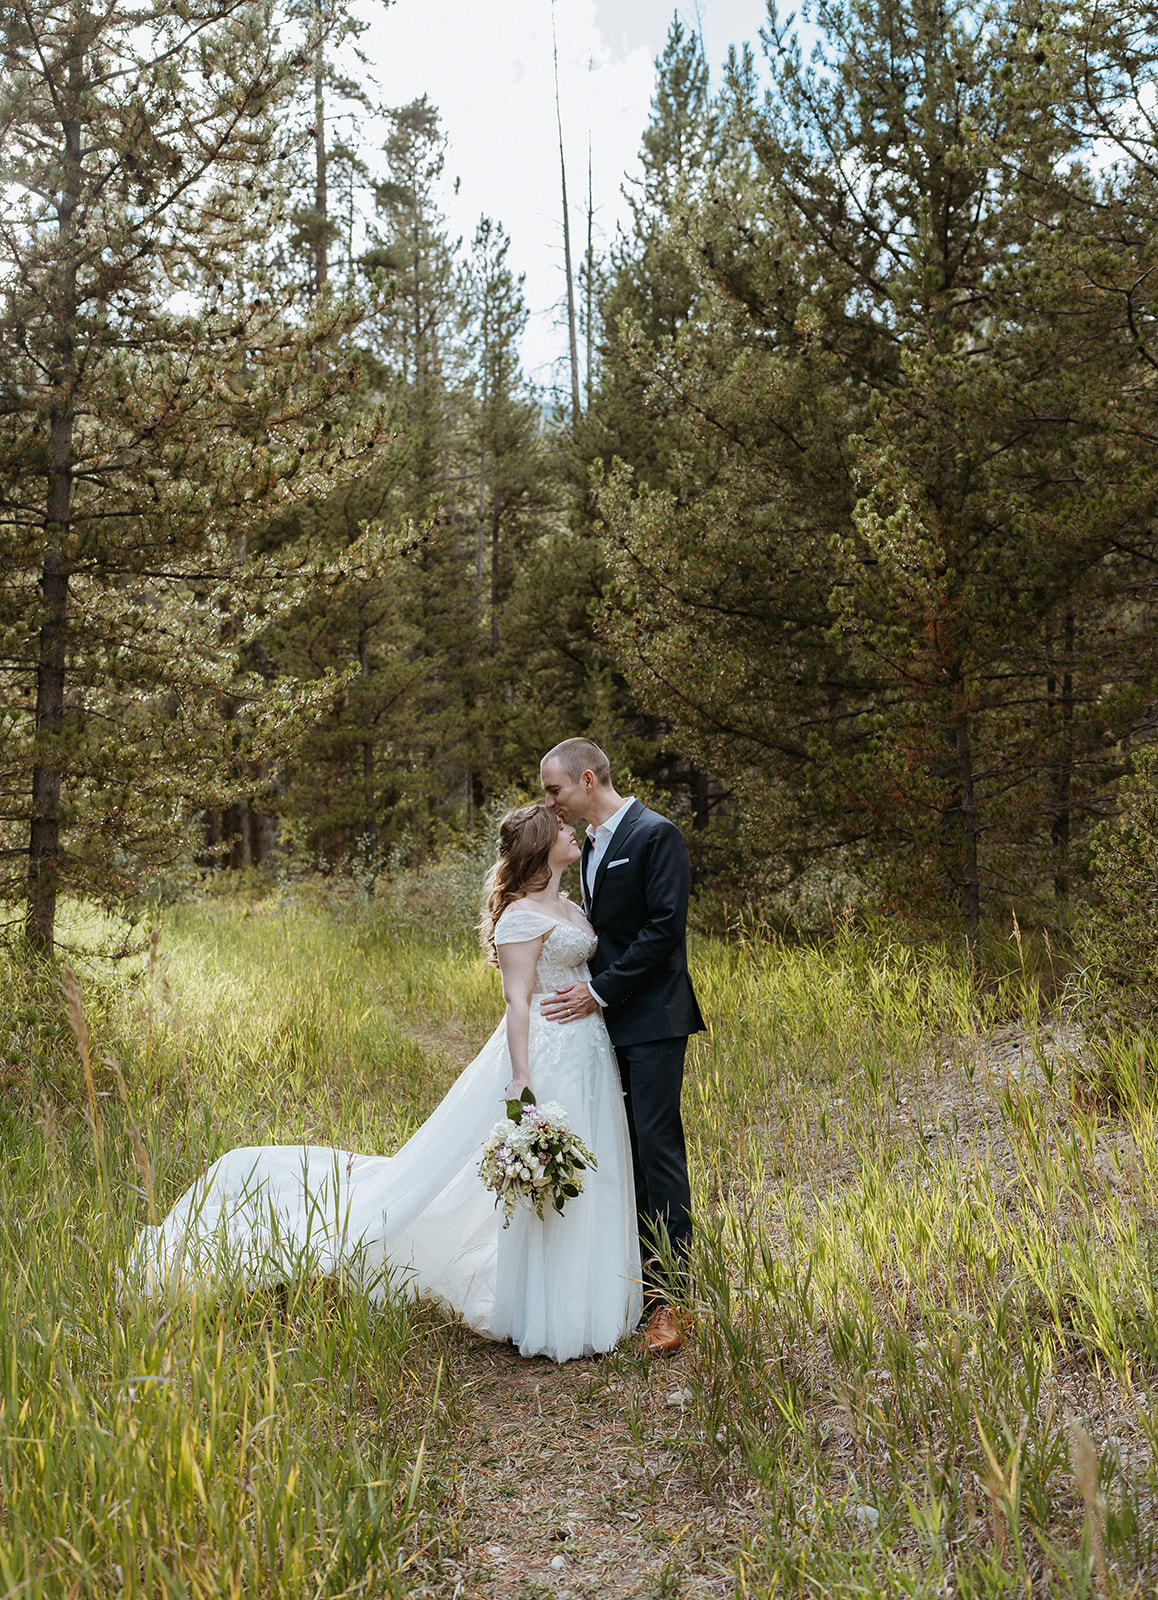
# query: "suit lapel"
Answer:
x=618 y=840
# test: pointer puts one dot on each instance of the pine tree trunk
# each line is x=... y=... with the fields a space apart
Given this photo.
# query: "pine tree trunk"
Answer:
x=370 y=829
x=572 y=339
x=44 y=829
x=245 y=833
x=480 y=537
x=590 y=285
x=212 y=824
x=44 y=833
x=1063 y=775
x=321 y=197
x=970 y=884
x=496 y=521
x=701 y=800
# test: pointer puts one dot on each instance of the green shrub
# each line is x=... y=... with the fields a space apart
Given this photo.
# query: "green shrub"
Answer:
x=1117 y=941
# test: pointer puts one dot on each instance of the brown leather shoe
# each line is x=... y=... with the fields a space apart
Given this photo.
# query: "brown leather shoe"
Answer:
x=662 y=1335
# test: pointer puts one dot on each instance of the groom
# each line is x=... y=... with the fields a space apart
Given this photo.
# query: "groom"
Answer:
x=635 y=894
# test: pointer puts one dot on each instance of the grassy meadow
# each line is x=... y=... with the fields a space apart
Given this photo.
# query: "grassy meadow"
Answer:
x=922 y=1335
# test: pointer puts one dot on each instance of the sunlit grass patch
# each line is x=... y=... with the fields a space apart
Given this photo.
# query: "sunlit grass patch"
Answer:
x=225 y=1442
x=213 y=1443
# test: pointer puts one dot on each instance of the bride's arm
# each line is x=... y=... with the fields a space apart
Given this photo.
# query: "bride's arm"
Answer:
x=517 y=964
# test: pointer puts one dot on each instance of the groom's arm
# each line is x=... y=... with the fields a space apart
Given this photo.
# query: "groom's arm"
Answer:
x=666 y=884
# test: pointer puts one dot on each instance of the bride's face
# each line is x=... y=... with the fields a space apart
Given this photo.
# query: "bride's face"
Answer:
x=566 y=847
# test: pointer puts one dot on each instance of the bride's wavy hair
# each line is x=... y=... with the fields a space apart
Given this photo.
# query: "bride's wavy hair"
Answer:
x=525 y=839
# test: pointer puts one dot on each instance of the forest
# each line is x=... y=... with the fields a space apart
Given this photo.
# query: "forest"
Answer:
x=841 y=536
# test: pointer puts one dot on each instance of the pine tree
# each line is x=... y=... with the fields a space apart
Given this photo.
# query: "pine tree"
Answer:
x=503 y=425
x=435 y=717
x=651 y=292
x=159 y=401
x=419 y=341
x=872 y=596
x=323 y=169
x=506 y=451
x=645 y=294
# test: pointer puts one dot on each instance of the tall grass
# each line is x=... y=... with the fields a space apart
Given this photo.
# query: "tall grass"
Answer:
x=927 y=1316
x=233 y=1444
x=924 y=1310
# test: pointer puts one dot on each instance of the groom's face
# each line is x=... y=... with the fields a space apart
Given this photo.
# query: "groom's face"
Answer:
x=561 y=794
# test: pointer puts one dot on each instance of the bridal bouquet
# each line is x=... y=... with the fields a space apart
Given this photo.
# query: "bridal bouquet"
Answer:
x=533 y=1158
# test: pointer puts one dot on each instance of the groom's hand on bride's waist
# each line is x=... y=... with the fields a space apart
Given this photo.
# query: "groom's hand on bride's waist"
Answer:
x=569 y=1004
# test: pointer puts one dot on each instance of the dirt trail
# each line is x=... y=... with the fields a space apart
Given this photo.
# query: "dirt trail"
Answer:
x=568 y=1481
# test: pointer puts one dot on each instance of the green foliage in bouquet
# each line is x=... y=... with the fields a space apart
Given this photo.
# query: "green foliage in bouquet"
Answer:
x=515 y=1107
x=533 y=1159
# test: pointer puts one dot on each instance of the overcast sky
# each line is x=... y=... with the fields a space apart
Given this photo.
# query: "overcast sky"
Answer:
x=487 y=65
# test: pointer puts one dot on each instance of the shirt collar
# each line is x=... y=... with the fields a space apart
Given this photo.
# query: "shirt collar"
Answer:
x=608 y=828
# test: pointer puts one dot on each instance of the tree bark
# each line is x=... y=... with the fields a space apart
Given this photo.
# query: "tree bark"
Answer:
x=970 y=885
x=572 y=339
x=44 y=831
x=480 y=537
x=590 y=284
x=321 y=196
x=701 y=800
x=1063 y=774
x=496 y=523
x=370 y=832
x=51 y=657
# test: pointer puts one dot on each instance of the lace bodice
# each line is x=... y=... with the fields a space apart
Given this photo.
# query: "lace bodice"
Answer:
x=566 y=948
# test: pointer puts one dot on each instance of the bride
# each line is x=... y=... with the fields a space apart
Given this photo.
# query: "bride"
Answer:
x=561 y=1286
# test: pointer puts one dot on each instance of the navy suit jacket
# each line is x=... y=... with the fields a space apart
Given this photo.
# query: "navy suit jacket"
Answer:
x=638 y=906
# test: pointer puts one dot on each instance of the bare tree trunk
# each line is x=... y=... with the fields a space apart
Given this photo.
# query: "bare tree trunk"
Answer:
x=232 y=816
x=44 y=829
x=571 y=335
x=970 y=882
x=1063 y=771
x=245 y=832
x=496 y=520
x=264 y=832
x=481 y=539
x=44 y=832
x=590 y=275
x=321 y=197
x=370 y=830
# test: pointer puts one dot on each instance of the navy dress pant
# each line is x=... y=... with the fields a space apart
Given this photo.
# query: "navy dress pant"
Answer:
x=652 y=1074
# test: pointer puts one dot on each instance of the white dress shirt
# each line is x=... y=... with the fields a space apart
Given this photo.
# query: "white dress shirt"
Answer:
x=600 y=839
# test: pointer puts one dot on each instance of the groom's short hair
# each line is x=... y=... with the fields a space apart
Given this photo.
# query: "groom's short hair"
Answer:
x=577 y=756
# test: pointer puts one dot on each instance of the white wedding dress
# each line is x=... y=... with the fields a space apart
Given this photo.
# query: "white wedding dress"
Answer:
x=567 y=1285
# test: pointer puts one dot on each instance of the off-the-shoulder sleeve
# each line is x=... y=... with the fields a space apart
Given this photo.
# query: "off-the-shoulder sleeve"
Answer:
x=519 y=922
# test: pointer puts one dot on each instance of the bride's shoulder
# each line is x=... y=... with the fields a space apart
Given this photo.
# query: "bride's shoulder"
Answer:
x=521 y=920
x=523 y=903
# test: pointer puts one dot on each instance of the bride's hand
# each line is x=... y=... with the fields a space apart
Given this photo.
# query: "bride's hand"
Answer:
x=516 y=1087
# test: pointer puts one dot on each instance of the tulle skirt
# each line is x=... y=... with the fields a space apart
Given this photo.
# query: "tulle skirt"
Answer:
x=563 y=1286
